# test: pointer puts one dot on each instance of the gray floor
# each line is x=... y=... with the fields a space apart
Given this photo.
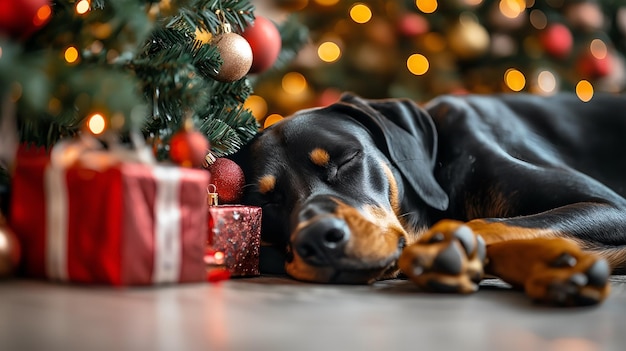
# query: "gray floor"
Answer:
x=272 y=313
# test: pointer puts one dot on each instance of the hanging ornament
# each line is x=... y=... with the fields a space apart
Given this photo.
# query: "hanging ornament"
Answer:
x=188 y=147
x=235 y=52
x=9 y=250
x=468 y=39
x=228 y=179
x=265 y=42
x=557 y=40
x=21 y=18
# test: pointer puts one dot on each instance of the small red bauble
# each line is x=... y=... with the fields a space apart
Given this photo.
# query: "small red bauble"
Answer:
x=20 y=18
x=188 y=148
x=229 y=180
x=557 y=40
x=264 y=39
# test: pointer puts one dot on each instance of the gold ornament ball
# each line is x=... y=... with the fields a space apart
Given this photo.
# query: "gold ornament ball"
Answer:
x=468 y=39
x=9 y=251
x=236 y=55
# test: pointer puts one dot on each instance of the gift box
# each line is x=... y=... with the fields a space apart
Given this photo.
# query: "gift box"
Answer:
x=120 y=223
x=235 y=231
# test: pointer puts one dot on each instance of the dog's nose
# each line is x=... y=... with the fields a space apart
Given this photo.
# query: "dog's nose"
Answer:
x=322 y=241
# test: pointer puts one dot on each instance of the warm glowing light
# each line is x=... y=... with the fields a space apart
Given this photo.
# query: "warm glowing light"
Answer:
x=42 y=15
x=584 y=90
x=219 y=257
x=417 y=64
x=96 y=123
x=514 y=79
x=360 y=13
x=71 y=54
x=546 y=81
x=327 y=2
x=598 y=49
x=257 y=105
x=512 y=8
x=294 y=83
x=271 y=119
x=82 y=7
x=426 y=6
x=203 y=36
x=473 y=2
x=329 y=51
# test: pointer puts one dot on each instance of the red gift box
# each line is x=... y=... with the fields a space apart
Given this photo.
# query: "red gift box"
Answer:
x=125 y=224
x=235 y=230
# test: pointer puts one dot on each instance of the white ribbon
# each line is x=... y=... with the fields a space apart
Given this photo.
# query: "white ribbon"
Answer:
x=56 y=223
x=167 y=233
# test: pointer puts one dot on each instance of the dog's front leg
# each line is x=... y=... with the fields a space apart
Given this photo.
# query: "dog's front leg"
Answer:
x=551 y=270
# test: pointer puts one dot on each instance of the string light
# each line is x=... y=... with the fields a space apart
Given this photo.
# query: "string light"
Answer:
x=360 y=13
x=82 y=7
x=96 y=123
x=71 y=54
x=514 y=79
x=427 y=6
x=417 y=64
x=538 y=19
x=294 y=83
x=584 y=90
x=329 y=51
x=271 y=119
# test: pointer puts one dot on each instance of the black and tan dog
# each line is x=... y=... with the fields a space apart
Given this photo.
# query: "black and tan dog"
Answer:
x=525 y=188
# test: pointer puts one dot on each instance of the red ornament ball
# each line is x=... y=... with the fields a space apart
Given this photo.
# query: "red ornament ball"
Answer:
x=188 y=148
x=264 y=39
x=557 y=40
x=229 y=180
x=21 y=18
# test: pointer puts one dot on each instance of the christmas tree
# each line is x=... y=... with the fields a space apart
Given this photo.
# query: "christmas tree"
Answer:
x=124 y=65
x=424 y=48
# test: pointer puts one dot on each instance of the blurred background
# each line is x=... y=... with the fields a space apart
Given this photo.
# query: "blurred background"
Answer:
x=423 y=48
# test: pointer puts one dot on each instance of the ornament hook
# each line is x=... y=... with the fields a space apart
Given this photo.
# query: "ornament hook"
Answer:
x=212 y=198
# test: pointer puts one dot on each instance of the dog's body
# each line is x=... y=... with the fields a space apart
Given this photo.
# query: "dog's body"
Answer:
x=514 y=185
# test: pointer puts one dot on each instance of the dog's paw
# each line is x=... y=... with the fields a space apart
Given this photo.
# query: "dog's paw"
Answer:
x=570 y=279
x=448 y=258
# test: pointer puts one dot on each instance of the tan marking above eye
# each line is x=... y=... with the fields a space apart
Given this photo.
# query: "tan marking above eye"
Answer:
x=267 y=183
x=319 y=157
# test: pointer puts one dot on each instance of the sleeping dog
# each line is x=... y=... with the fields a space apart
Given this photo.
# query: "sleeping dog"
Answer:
x=525 y=188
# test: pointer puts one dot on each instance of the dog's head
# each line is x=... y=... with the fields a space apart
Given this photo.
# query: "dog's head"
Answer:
x=343 y=187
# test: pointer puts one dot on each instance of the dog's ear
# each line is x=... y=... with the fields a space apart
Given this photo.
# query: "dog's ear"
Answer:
x=407 y=135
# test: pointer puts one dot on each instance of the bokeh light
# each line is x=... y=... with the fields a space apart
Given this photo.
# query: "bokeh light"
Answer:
x=96 y=123
x=294 y=83
x=271 y=119
x=327 y=2
x=257 y=105
x=71 y=54
x=417 y=64
x=43 y=15
x=514 y=79
x=512 y=8
x=82 y=7
x=546 y=82
x=584 y=90
x=598 y=49
x=427 y=6
x=360 y=13
x=329 y=51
